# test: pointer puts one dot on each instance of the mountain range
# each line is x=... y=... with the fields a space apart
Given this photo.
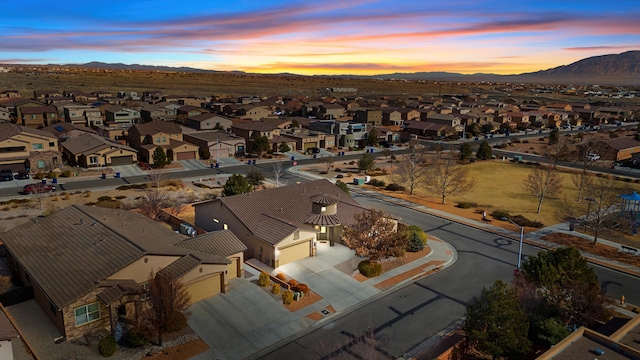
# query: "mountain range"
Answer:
x=618 y=69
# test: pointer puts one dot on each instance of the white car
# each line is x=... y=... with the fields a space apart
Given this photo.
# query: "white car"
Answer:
x=593 y=157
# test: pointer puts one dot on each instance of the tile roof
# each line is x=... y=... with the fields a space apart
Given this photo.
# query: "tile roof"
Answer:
x=273 y=214
x=253 y=125
x=223 y=243
x=117 y=290
x=72 y=251
x=39 y=109
x=214 y=135
x=180 y=267
x=64 y=127
x=8 y=130
x=89 y=143
x=154 y=127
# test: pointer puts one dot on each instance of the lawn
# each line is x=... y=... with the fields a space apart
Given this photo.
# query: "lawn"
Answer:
x=499 y=186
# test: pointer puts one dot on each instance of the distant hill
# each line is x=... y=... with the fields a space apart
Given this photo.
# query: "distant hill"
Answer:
x=606 y=69
x=620 y=69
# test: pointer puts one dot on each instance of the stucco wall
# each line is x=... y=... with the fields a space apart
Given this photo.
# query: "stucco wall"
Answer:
x=140 y=271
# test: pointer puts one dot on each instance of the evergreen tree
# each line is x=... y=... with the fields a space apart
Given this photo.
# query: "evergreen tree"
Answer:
x=160 y=157
x=465 y=151
x=260 y=145
x=484 y=152
x=283 y=148
x=372 y=137
x=236 y=184
x=554 y=136
x=366 y=163
x=255 y=177
x=497 y=324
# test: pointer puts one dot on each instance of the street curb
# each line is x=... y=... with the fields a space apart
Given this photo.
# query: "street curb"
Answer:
x=501 y=234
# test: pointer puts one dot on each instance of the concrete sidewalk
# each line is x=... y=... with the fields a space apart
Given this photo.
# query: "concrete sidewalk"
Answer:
x=246 y=320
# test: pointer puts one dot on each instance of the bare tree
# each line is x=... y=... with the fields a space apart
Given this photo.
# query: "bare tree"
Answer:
x=542 y=182
x=278 y=173
x=445 y=178
x=40 y=192
x=157 y=177
x=327 y=161
x=372 y=235
x=179 y=205
x=580 y=155
x=411 y=169
x=558 y=151
x=599 y=212
x=169 y=300
x=386 y=152
x=153 y=202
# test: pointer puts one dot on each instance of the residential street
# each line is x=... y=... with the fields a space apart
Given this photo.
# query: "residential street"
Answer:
x=421 y=310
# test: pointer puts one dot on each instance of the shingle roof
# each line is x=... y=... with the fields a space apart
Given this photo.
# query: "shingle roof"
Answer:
x=622 y=143
x=117 y=290
x=88 y=143
x=70 y=252
x=273 y=214
x=180 y=267
x=223 y=243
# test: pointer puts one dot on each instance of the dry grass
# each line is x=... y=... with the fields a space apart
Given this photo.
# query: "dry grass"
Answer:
x=499 y=187
x=597 y=249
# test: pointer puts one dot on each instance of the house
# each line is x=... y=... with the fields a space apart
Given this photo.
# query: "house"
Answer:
x=66 y=130
x=148 y=136
x=348 y=134
x=369 y=116
x=22 y=148
x=84 y=115
x=117 y=132
x=159 y=111
x=39 y=116
x=90 y=266
x=219 y=144
x=391 y=116
x=329 y=111
x=305 y=139
x=282 y=225
x=93 y=150
x=388 y=134
x=208 y=121
x=187 y=111
x=617 y=342
x=249 y=130
x=429 y=129
x=115 y=114
x=618 y=149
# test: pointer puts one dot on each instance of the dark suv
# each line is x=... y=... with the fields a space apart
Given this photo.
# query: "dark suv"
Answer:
x=38 y=188
x=6 y=175
x=22 y=174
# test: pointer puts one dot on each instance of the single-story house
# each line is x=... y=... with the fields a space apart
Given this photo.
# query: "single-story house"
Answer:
x=220 y=144
x=93 y=150
x=90 y=266
x=282 y=225
x=428 y=129
x=618 y=149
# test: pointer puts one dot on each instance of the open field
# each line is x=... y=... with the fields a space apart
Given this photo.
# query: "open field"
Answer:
x=220 y=84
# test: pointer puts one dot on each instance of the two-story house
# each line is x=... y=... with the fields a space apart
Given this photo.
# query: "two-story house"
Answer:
x=368 y=116
x=115 y=114
x=208 y=121
x=39 y=116
x=168 y=135
x=249 y=130
x=22 y=148
x=348 y=134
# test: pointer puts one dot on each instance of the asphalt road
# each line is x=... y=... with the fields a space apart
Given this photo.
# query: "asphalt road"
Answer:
x=404 y=318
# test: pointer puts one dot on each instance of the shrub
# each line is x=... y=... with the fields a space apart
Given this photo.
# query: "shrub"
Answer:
x=370 y=268
x=39 y=176
x=415 y=244
x=303 y=288
x=275 y=289
x=52 y=175
x=377 y=183
x=67 y=197
x=107 y=346
x=523 y=221
x=120 y=197
x=282 y=276
x=87 y=194
x=467 y=205
x=177 y=321
x=135 y=338
x=55 y=198
x=395 y=187
x=293 y=283
x=111 y=204
x=105 y=198
x=264 y=279
x=66 y=173
x=287 y=297
x=499 y=214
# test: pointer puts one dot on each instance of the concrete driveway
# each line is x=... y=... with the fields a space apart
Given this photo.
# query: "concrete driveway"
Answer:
x=243 y=321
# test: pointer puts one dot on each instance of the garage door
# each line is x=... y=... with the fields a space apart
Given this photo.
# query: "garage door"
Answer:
x=121 y=160
x=233 y=268
x=186 y=155
x=309 y=145
x=204 y=288
x=294 y=252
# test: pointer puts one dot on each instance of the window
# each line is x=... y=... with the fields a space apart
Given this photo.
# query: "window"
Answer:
x=225 y=226
x=145 y=286
x=37 y=146
x=93 y=159
x=157 y=139
x=52 y=116
x=52 y=144
x=86 y=314
x=323 y=209
x=41 y=164
x=34 y=117
x=164 y=139
x=323 y=229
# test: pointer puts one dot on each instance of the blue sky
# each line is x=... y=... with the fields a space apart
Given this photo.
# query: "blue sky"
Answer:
x=320 y=37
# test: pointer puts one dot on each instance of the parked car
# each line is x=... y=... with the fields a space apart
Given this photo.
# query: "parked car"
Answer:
x=22 y=174
x=593 y=157
x=38 y=188
x=6 y=175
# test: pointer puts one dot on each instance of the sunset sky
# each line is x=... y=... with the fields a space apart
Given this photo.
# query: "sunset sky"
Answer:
x=320 y=37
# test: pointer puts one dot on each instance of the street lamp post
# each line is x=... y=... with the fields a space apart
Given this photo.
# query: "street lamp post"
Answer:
x=521 y=238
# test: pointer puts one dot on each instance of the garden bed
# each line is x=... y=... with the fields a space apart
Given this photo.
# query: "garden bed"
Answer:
x=587 y=245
